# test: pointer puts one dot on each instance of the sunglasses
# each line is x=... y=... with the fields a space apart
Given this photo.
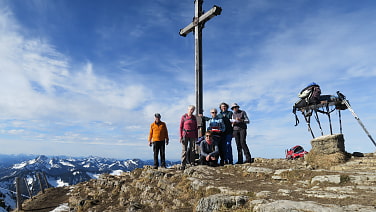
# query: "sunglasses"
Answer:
x=208 y=136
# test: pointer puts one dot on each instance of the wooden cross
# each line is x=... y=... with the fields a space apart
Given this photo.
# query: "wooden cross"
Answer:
x=196 y=26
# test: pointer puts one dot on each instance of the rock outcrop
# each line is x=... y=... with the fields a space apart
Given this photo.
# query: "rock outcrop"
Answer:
x=328 y=144
x=265 y=185
x=327 y=151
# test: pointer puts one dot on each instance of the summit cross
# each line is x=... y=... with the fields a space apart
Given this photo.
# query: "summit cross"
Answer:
x=196 y=25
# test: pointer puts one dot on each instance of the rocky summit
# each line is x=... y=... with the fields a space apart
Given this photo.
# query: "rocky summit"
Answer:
x=265 y=185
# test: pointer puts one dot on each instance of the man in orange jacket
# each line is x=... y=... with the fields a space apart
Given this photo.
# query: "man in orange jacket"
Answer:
x=158 y=137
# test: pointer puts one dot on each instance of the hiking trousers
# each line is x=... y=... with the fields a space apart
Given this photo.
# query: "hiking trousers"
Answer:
x=188 y=151
x=159 y=148
x=240 y=139
x=222 y=149
x=228 y=149
x=220 y=139
x=211 y=162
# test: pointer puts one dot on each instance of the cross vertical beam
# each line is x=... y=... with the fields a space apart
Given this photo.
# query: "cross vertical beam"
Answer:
x=198 y=57
x=196 y=26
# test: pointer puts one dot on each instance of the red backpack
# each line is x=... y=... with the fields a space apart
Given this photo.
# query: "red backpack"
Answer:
x=295 y=152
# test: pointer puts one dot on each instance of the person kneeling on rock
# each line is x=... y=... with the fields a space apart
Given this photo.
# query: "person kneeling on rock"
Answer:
x=209 y=150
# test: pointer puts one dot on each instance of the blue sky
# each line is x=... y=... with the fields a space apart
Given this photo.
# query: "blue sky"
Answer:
x=85 y=77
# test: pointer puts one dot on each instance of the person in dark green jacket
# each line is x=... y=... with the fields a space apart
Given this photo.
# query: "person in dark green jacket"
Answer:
x=226 y=115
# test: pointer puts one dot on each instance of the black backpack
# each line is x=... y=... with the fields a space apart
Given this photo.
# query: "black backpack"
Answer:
x=309 y=95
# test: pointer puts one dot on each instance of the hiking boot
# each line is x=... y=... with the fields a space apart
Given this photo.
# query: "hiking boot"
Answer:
x=239 y=162
x=249 y=161
x=229 y=163
x=213 y=164
x=155 y=167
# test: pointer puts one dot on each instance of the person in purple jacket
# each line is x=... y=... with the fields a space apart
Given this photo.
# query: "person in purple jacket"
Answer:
x=188 y=136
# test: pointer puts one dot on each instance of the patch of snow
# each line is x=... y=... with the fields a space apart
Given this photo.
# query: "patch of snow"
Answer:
x=53 y=165
x=62 y=208
x=20 y=165
x=92 y=175
x=61 y=183
x=29 y=179
x=57 y=182
x=66 y=164
x=32 y=161
x=112 y=165
x=116 y=172
x=128 y=163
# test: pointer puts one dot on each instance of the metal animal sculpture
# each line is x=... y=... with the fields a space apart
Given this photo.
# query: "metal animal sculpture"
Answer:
x=326 y=104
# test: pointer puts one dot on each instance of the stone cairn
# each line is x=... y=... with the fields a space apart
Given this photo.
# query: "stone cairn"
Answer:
x=327 y=151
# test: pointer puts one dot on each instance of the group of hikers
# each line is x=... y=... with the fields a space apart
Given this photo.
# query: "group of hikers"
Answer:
x=214 y=148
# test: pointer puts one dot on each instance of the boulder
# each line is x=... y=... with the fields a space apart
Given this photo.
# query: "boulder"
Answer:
x=328 y=144
x=327 y=151
x=219 y=201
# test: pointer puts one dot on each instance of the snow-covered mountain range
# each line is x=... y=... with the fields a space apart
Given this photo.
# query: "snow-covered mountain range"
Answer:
x=56 y=171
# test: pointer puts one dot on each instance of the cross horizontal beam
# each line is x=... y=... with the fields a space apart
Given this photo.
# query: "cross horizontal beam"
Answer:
x=202 y=19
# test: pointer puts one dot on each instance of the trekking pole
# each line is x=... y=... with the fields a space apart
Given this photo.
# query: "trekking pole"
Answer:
x=340 y=121
x=344 y=101
x=318 y=122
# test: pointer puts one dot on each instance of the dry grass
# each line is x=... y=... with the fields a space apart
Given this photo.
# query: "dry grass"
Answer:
x=325 y=161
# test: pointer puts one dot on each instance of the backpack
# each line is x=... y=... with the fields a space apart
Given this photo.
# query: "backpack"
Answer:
x=308 y=96
x=295 y=152
x=311 y=93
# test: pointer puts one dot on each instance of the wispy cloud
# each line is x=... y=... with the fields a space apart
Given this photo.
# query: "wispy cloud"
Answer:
x=39 y=83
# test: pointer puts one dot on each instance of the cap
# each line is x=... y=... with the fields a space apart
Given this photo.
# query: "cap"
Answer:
x=157 y=115
x=234 y=105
